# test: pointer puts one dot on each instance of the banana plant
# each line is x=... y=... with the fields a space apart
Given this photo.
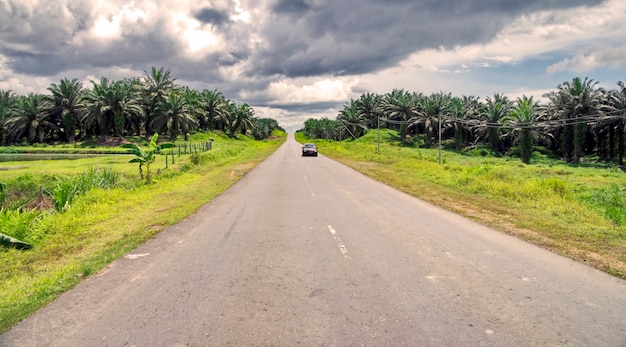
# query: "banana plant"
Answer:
x=8 y=242
x=145 y=158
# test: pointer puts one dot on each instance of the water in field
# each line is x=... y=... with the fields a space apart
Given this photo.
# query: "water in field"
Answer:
x=4 y=157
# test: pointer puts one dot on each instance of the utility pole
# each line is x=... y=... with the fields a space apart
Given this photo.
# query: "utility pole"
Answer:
x=378 y=120
x=439 y=138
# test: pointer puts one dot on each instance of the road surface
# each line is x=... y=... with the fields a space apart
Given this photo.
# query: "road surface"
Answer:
x=305 y=251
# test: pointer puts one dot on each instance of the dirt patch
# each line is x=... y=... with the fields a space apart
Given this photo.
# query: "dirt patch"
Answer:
x=13 y=167
x=111 y=141
x=42 y=203
x=604 y=262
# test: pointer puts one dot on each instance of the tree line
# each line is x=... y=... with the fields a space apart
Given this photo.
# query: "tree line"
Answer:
x=579 y=119
x=139 y=106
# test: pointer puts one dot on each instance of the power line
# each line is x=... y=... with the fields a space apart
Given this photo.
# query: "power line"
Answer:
x=537 y=124
x=587 y=119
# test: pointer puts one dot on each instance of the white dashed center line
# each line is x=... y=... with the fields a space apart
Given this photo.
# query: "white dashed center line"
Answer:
x=342 y=247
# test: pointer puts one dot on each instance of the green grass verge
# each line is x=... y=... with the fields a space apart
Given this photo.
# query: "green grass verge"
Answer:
x=102 y=225
x=578 y=211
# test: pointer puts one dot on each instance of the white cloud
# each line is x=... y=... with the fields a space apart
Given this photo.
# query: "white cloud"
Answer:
x=579 y=63
x=241 y=14
x=199 y=38
x=111 y=19
x=324 y=90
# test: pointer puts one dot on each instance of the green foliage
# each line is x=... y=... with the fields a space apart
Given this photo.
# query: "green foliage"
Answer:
x=67 y=190
x=64 y=193
x=3 y=188
x=23 y=189
x=480 y=152
x=146 y=158
x=19 y=224
x=10 y=242
x=610 y=201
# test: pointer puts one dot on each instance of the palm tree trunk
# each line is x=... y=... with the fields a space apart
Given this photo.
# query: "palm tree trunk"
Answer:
x=620 y=142
x=580 y=130
x=526 y=146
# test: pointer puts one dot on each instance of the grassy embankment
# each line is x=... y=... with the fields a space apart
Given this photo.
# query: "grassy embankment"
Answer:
x=104 y=224
x=578 y=211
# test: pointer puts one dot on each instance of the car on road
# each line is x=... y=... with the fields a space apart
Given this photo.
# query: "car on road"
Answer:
x=309 y=149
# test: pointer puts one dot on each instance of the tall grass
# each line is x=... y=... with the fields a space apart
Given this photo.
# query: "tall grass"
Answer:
x=20 y=224
x=67 y=190
x=610 y=201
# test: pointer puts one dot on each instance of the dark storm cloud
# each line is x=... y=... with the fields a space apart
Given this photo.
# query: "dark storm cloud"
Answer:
x=129 y=50
x=44 y=27
x=281 y=39
x=291 y=7
x=353 y=36
x=48 y=39
x=212 y=16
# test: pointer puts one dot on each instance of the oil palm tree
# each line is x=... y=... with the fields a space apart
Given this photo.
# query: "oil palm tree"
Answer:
x=244 y=115
x=135 y=121
x=401 y=107
x=68 y=104
x=352 y=119
x=157 y=85
x=521 y=122
x=227 y=118
x=610 y=128
x=462 y=111
x=573 y=101
x=235 y=117
x=108 y=106
x=30 y=119
x=197 y=106
x=174 y=116
x=433 y=112
x=368 y=106
x=95 y=120
x=214 y=104
x=8 y=100
x=489 y=125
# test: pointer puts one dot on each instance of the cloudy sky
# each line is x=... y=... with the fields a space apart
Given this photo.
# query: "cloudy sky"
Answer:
x=297 y=59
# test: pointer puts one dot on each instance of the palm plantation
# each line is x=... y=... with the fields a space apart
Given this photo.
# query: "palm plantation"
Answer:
x=579 y=119
x=135 y=106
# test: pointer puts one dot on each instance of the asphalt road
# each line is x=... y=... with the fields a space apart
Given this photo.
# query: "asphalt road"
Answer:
x=304 y=251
